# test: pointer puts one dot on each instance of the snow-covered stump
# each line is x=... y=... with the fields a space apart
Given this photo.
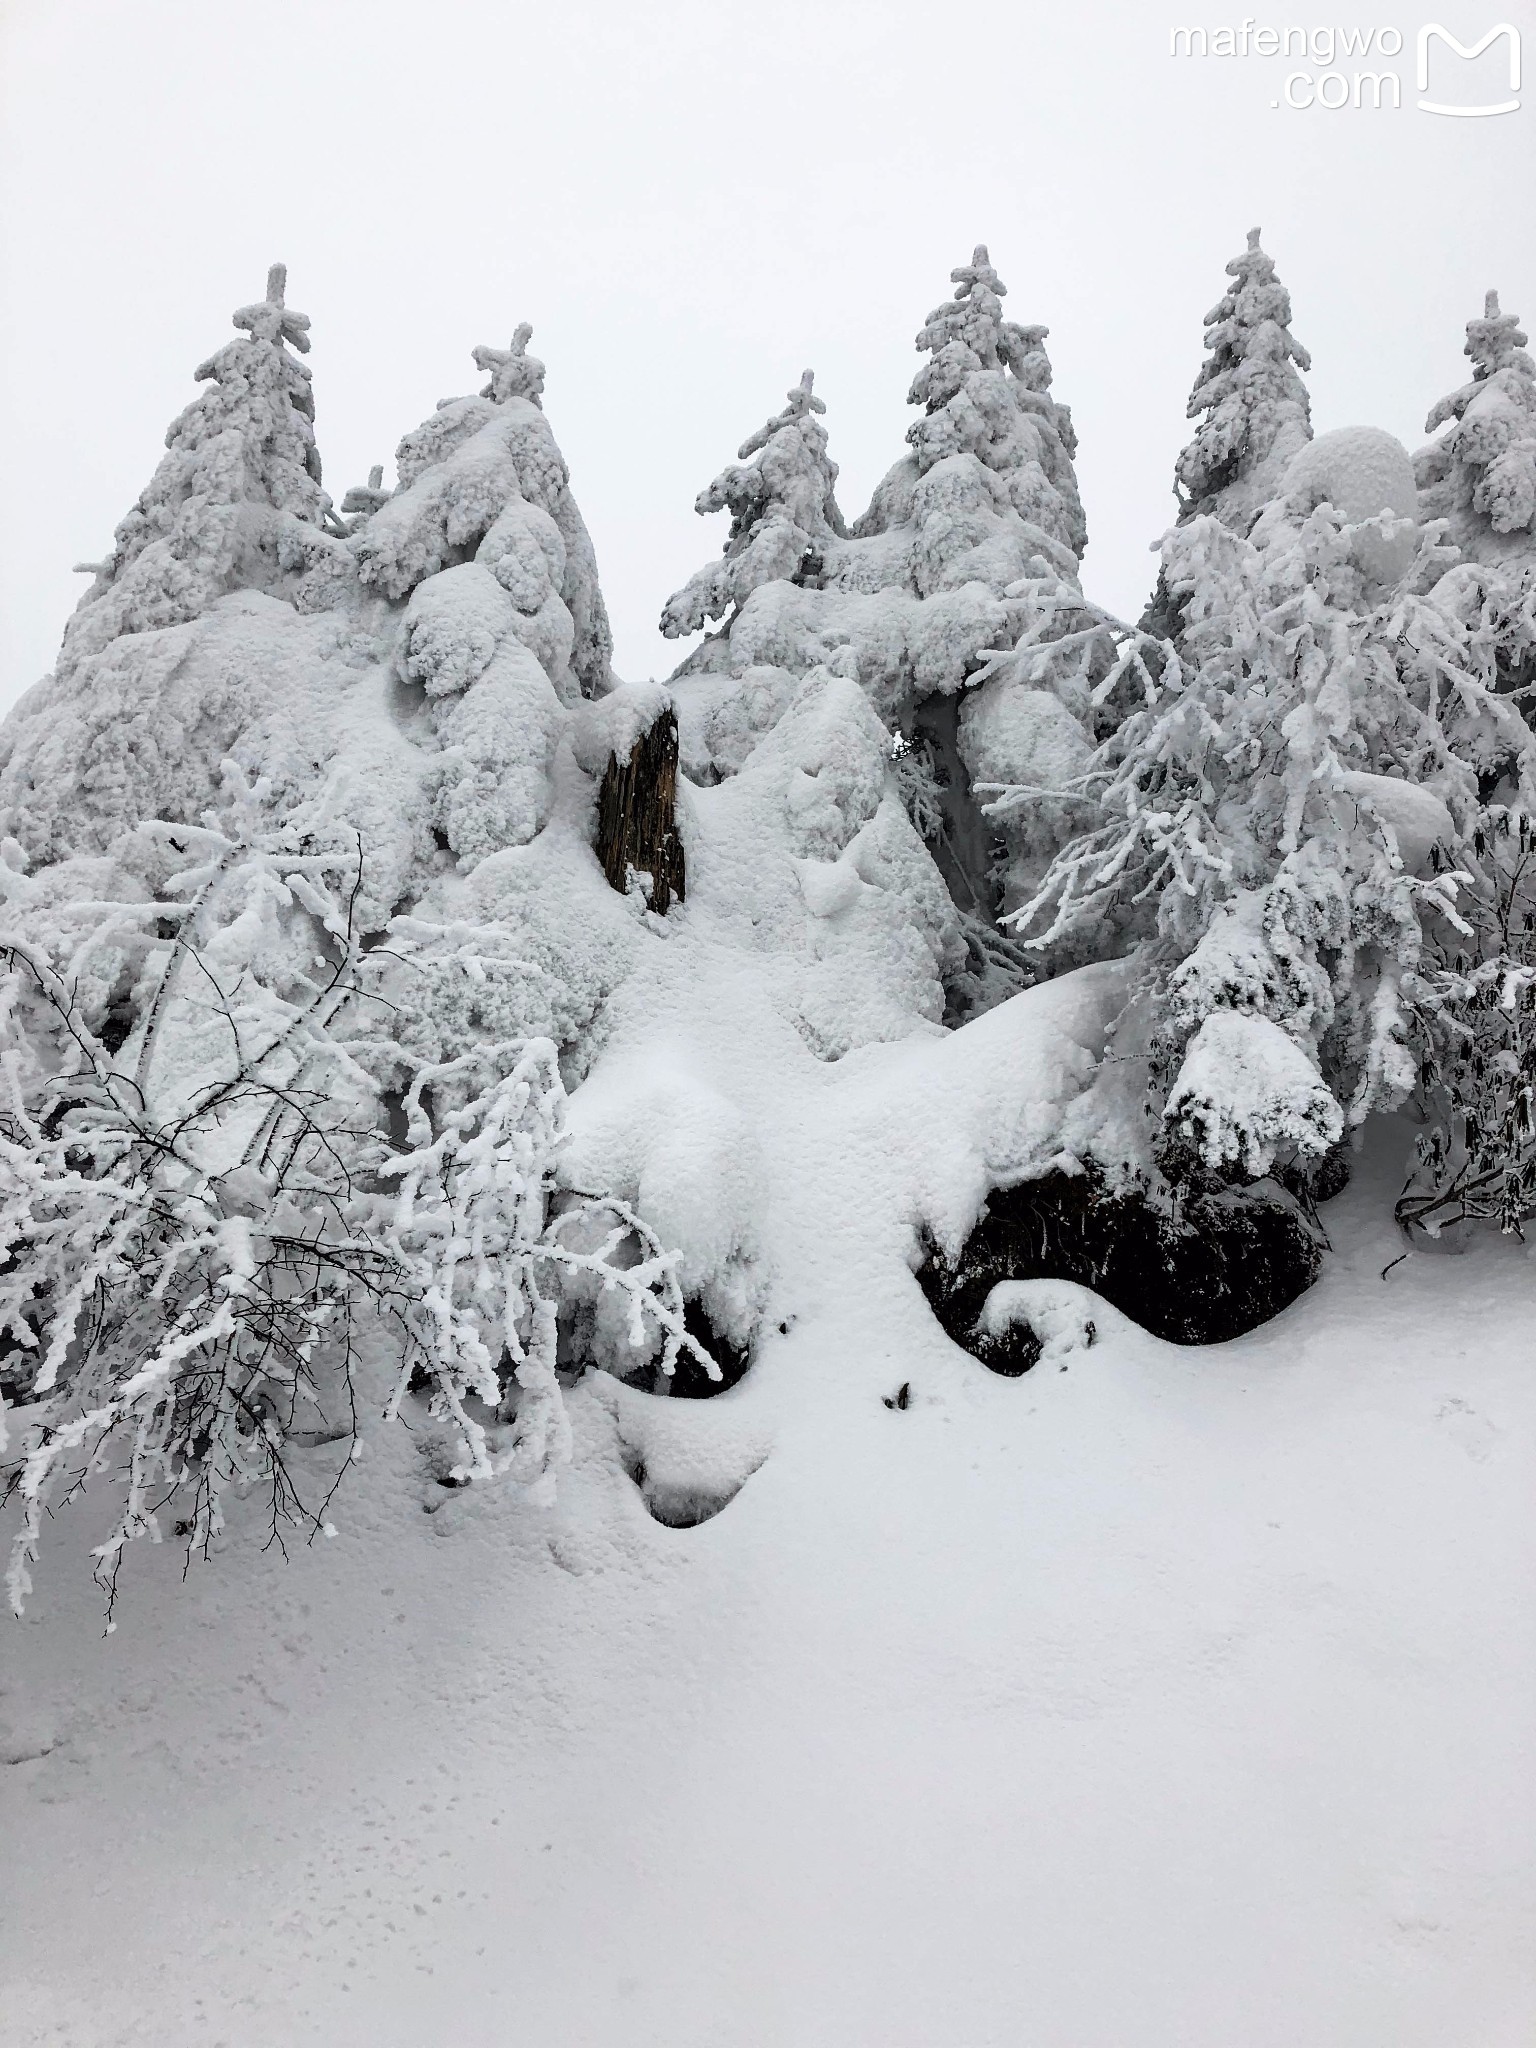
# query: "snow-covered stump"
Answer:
x=637 y=815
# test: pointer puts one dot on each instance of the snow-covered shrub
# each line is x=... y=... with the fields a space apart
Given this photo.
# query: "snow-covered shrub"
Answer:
x=203 y=1220
x=1246 y=1091
x=1475 y=1002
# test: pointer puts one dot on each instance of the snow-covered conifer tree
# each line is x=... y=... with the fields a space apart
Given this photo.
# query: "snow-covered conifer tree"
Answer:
x=483 y=481
x=240 y=465
x=986 y=392
x=969 y=549
x=1481 y=474
x=783 y=511
x=1266 y=831
x=1256 y=413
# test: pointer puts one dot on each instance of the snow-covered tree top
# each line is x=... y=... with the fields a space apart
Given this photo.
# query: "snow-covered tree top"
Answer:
x=783 y=511
x=795 y=471
x=1256 y=410
x=972 y=316
x=363 y=500
x=240 y=462
x=1497 y=342
x=1482 y=474
x=802 y=400
x=514 y=373
x=270 y=319
x=986 y=392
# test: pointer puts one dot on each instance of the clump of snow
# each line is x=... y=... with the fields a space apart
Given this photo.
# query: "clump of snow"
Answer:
x=492 y=786
x=1246 y=1090
x=452 y=627
x=689 y=1161
x=1417 y=818
x=614 y=726
x=1367 y=477
x=1068 y=1320
x=721 y=718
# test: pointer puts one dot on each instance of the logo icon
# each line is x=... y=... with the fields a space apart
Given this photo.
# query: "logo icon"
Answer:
x=1469 y=51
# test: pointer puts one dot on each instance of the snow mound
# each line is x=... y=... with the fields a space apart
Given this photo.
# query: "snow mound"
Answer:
x=1367 y=475
x=687 y=1159
x=1419 y=820
x=1067 y=1320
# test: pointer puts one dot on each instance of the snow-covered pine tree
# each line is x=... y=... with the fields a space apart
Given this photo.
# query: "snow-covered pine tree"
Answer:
x=986 y=392
x=1480 y=476
x=1256 y=413
x=781 y=495
x=483 y=483
x=969 y=547
x=986 y=398
x=240 y=465
x=1266 y=826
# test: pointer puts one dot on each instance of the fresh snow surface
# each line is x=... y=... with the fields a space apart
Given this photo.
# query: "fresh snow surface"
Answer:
x=1159 y=1699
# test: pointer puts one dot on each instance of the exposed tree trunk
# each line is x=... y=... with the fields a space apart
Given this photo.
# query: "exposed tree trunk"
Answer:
x=637 y=816
x=967 y=850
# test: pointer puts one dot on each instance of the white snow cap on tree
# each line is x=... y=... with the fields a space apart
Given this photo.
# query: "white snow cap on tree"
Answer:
x=1481 y=476
x=1366 y=475
x=240 y=464
x=783 y=513
x=1256 y=410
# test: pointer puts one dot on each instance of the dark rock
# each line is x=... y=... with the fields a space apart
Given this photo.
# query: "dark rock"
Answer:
x=1215 y=1267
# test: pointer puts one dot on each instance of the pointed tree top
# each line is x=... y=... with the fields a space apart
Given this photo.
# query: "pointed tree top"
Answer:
x=270 y=320
x=1495 y=342
x=1253 y=238
x=514 y=373
x=365 y=499
x=802 y=403
x=978 y=271
x=803 y=398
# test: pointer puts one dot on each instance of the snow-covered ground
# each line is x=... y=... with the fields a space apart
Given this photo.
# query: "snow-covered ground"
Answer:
x=1158 y=1699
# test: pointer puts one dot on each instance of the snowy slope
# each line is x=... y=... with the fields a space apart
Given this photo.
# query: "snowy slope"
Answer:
x=1178 y=1699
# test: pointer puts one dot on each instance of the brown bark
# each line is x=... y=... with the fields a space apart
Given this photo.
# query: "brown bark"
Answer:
x=637 y=816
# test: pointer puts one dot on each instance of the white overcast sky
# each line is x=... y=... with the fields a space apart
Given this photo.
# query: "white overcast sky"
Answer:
x=692 y=200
